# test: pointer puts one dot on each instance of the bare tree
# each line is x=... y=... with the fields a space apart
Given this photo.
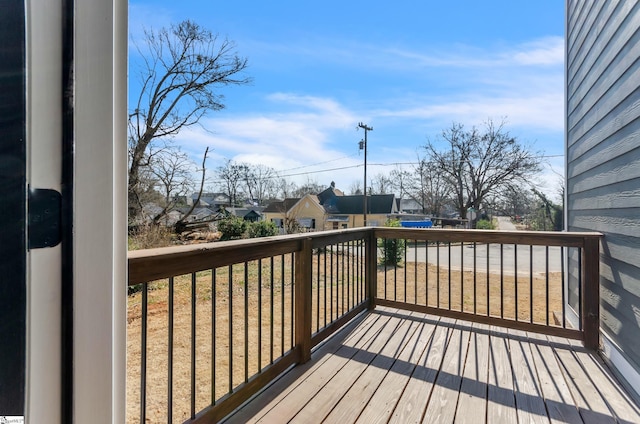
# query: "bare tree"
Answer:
x=380 y=184
x=479 y=162
x=310 y=187
x=355 y=187
x=260 y=182
x=172 y=169
x=183 y=67
x=400 y=181
x=428 y=187
x=285 y=188
x=232 y=176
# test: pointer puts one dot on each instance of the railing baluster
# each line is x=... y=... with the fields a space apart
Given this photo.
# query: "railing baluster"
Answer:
x=415 y=272
x=546 y=280
x=259 y=315
x=170 y=353
x=384 y=245
x=348 y=275
x=214 y=304
x=462 y=276
x=193 y=345
x=405 y=269
x=475 y=281
x=501 y=281
x=488 y=283
x=246 y=322
x=531 y=283
x=143 y=354
x=438 y=274
x=230 y=335
x=318 y=290
x=342 y=279
x=564 y=301
x=293 y=283
x=449 y=273
x=271 y=309
x=324 y=263
x=515 y=278
x=282 y=305
x=395 y=269
x=331 y=286
x=426 y=272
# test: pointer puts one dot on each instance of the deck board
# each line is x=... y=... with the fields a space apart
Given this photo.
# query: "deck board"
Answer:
x=417 y=392
x=529 y=402
x=442 y=406
x=359 y=394
x=397 y=366
x=318 y=407
x=555 y=391
x=472 y=402
x=501 y=401
x=384 y=401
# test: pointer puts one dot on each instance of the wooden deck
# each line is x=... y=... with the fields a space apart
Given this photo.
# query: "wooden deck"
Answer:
x=397 y=366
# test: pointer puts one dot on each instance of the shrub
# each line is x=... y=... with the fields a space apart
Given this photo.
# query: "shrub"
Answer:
x=392 y=249
x=484 y=224
x=232 y=228
x=262 y=229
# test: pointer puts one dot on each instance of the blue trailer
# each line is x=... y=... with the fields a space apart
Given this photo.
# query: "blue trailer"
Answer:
x=417 y=224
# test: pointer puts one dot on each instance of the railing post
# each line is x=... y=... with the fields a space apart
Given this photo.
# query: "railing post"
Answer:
x=302 y=299
x=591 y=292
x=371 y=268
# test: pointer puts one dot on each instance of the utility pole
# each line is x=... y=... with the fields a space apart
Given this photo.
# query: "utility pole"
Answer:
x=363 y=146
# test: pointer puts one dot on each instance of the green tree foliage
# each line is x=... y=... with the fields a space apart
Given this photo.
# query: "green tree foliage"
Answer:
x=232 y=228
x=484 y=224
x=262 y=229
x=392 y=249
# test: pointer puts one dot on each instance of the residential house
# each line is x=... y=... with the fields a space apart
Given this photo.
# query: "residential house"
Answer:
x=603 y=164
x=306 y=212
x=210 y=200
x=331 y=210
x=248 y=214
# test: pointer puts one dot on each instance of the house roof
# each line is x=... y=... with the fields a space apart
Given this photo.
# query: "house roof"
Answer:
x=377 y=203
x=330 y=193
x=281 y=206
x=244 y=212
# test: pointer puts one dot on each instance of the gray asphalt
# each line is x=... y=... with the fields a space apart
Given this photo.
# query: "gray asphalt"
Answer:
x=505 y=257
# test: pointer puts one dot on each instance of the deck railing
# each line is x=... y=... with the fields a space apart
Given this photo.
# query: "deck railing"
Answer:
x=210 y=325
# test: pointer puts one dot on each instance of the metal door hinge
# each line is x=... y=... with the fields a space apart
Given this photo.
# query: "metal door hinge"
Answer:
x=45 y=218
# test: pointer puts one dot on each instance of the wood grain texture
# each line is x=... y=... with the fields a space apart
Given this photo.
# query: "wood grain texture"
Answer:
x=401 y=367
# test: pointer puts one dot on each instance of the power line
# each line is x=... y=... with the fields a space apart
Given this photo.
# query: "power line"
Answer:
x=341 y=168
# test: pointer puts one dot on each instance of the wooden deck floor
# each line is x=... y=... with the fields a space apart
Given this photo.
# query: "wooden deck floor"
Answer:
x=396 y=366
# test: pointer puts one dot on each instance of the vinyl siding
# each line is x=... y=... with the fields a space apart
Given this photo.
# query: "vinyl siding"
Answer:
x=603 y=155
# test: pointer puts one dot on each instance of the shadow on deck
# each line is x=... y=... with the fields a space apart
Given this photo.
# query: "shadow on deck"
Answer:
x=396 y=366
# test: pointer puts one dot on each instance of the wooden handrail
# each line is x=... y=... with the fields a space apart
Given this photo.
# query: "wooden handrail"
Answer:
x=536 y=238
x=155 y=264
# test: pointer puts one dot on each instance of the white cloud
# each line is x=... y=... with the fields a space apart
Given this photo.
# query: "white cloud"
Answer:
x=546 y=51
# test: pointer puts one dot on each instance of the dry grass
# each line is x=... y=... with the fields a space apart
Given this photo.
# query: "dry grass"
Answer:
x=423 y=285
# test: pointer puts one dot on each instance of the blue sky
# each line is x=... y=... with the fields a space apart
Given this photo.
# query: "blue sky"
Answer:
x=409 y=70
